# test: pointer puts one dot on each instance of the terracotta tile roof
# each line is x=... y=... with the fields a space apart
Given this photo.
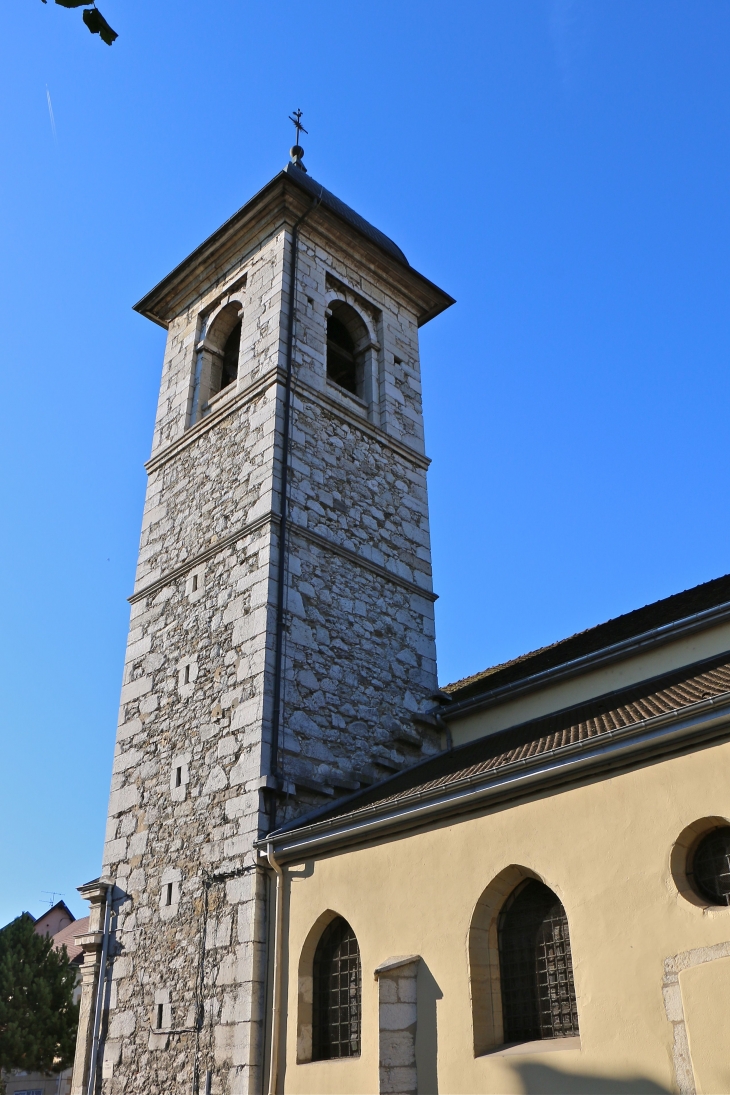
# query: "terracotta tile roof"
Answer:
x=658 y=696
x=67 y=935
x=667 y=611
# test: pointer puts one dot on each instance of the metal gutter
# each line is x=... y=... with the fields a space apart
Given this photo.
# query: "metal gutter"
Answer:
x=701 y=721
x=605 y=656
x=101 y=986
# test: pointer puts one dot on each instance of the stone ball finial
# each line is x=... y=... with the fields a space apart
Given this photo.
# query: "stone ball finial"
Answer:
x=296 y=152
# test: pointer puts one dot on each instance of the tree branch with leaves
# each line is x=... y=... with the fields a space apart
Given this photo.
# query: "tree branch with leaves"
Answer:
x=93 y=18
x=38 y=1016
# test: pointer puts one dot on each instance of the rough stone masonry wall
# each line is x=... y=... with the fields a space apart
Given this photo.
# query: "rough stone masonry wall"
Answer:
x=360 y=647
x=192 y=709
x=185 y=802
x=192 y=746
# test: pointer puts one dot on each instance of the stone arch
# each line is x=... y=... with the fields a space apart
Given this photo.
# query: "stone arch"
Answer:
x=484 y=978
x=216 y=359
x=305 y=985
x=223 y=327
x=337 y=293
x=348 y=343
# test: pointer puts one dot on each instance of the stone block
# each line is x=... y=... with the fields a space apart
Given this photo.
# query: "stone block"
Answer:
x=397 y=1016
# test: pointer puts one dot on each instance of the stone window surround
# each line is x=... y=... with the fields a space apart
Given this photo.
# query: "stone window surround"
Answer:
x=484 y=970
x=208 y=345
x=680 y=861
x=171 y=876
x=178 y=792
x=370 y=404
x=187 y=675
x=305 y=981
x=195 y=583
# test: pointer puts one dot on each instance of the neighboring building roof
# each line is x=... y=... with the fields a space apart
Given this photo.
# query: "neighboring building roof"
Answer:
x=66 y=938
x=622 y=629
x=560 y=735
x=56 y=918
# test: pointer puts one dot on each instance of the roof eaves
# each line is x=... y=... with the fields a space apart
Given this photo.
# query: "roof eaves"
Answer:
x=149 y=304
x=489 y=697
x=705 y=720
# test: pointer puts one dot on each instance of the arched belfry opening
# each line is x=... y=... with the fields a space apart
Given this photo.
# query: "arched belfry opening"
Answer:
x=216 y=363
x=223 y=343
x=347 y=345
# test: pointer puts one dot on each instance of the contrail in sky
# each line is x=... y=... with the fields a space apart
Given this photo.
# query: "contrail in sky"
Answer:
x=50 y=114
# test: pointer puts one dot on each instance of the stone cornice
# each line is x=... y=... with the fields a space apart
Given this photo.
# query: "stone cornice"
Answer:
x=360 y=423
x=278 y=205
x=298 y=530
x=361 y=561
x=223 y=410
x=257 y=388
x=201 y=556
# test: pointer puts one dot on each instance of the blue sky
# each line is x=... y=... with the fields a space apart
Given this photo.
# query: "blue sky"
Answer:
x=559 y=166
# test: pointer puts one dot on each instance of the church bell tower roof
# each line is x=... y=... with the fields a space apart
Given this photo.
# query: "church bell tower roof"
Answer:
x=291 y=193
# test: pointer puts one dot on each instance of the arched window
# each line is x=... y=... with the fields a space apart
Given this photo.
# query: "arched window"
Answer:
x=347 y=338
x=337 y=993
x=536 y=969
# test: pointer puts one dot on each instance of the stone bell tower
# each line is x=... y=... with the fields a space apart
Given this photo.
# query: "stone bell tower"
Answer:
x=281 y=646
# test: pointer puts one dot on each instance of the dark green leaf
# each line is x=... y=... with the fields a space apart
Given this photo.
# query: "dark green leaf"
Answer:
x=73 y=3
x=97 y=24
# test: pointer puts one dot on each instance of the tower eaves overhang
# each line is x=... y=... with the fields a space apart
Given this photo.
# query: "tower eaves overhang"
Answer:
x=279 y=204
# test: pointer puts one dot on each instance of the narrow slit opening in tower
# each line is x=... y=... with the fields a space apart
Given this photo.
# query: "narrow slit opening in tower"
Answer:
x=229 y=365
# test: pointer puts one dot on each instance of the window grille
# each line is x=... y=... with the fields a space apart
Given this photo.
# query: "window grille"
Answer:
x=337 y=993
x=711 y=866
x=536 y=969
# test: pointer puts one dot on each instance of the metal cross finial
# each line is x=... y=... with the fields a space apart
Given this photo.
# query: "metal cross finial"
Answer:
x=296 y=118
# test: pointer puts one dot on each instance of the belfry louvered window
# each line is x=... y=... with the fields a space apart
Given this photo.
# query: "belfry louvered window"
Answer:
x=337 y=995
x=536 y=970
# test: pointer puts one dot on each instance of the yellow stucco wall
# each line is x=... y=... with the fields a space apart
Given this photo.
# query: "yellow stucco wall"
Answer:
x=604 y=848
x=620 y=674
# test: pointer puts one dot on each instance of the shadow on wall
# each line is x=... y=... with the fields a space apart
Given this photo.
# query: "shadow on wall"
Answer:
x=543 y=1080
x=428 y=993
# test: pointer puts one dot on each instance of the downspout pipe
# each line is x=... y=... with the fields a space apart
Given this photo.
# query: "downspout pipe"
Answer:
x=284 y=510
x=99 y=1003
x=276 y=987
